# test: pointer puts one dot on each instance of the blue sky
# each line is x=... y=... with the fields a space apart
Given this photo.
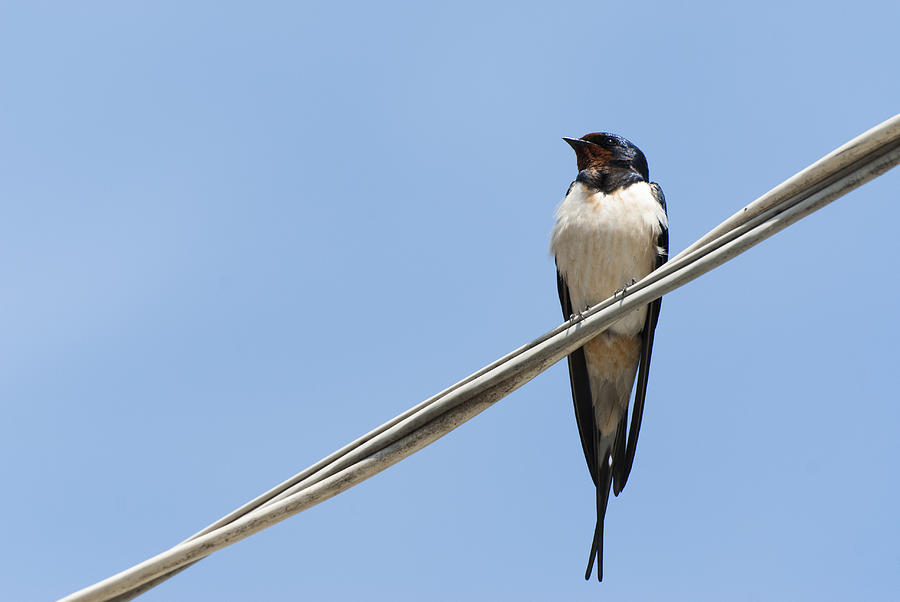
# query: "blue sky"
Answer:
x=236 y=236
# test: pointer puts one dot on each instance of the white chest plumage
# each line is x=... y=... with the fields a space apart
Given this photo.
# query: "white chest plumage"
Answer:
x=603 y=241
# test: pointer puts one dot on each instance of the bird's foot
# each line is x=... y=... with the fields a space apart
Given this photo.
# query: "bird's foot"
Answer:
x=580 y=315
x=621 y=292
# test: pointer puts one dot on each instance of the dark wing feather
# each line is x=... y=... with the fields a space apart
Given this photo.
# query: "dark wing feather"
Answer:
x=581 y=388
x=623 y=469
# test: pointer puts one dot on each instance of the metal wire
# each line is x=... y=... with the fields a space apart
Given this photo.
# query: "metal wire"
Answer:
x=849 y=166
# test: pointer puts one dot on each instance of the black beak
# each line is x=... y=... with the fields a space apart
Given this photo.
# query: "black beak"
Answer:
x=577 y=143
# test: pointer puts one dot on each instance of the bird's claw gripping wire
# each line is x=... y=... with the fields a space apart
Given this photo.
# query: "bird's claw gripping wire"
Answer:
x=579 y=316
x=621 y=292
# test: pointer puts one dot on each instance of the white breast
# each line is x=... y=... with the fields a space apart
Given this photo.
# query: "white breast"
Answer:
x=603 y=241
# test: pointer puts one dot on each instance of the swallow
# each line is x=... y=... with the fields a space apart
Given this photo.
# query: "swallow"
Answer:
x=611 y=229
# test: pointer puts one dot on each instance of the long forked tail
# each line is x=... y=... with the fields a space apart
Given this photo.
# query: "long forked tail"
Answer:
x=596 y=551
x=604 y=480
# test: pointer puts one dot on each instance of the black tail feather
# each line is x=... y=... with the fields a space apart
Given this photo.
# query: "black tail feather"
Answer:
x=604 y=480
x=596 y=551
x=618 y=456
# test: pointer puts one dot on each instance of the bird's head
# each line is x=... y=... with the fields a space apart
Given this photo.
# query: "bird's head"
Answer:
x=604 y=150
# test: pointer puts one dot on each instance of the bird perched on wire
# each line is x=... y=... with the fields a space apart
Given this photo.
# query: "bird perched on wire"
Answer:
x=611 y=230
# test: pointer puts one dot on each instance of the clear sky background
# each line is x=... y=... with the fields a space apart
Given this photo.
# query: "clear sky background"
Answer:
x=235 y=236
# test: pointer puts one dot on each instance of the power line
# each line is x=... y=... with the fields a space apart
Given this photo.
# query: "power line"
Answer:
x=856 y=162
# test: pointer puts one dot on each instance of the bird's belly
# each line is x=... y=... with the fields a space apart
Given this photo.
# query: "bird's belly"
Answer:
x=603 y=242
x=598 y=268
